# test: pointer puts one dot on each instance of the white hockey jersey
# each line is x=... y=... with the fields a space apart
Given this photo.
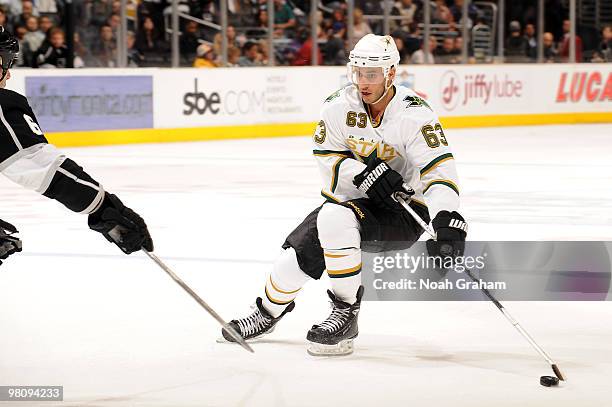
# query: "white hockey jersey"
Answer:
x=408 y=136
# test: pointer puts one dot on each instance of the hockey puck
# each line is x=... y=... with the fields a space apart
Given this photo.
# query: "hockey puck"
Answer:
x=549 y=381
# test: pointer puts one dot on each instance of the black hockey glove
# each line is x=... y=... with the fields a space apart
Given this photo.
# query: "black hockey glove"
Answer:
x=120 y=225
x=379 y=182
x=8 y=244
x=451 y=230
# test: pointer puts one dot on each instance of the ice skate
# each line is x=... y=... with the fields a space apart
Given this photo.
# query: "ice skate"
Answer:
x=259 y=323
x=334 y=336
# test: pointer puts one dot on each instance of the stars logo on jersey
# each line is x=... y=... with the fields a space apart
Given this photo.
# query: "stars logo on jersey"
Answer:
x=415 y=101
x=366 y=150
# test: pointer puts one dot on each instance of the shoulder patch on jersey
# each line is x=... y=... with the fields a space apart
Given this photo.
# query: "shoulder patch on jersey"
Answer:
x=320 y=133
x=416 y=101
x=333 y=95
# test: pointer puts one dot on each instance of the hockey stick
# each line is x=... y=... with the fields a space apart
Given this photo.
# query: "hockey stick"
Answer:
x=399 y=198
x=200 y=301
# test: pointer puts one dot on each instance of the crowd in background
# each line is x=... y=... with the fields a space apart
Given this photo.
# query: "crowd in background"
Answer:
x=38 y=25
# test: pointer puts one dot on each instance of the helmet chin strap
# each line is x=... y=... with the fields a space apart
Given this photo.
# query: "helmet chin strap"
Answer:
x=387 y=87
x=4 y=72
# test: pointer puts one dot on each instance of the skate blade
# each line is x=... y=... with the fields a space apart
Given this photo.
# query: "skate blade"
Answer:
x=255 y=339
x=343 y=348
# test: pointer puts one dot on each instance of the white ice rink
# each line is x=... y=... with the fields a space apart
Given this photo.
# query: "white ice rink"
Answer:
x=116 y=331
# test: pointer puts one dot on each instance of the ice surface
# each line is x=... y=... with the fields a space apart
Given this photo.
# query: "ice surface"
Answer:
x=116 y=331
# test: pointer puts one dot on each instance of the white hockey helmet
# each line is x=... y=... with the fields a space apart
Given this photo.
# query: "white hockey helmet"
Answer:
x=373 y=51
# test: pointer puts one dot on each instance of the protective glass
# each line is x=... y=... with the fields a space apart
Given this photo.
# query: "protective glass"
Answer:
x=366 y=75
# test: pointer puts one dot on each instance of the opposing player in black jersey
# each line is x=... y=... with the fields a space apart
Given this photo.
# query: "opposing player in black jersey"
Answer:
x=29 y=160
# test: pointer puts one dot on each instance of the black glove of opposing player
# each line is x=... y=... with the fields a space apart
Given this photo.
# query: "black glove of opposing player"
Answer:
x=120 y=225
x=451 y=230
x=8 y=244
x=379 y=182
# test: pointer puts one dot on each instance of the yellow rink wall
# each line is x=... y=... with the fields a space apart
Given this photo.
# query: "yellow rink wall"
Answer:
x=123 y=106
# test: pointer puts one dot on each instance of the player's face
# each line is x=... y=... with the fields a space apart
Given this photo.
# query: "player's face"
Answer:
x=370 y=81
x=6 y=78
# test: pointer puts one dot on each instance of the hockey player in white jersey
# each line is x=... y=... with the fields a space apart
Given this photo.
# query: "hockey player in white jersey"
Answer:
x=372 y=140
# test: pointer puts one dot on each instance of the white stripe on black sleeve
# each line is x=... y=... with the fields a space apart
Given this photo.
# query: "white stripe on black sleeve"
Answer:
x=10 y=129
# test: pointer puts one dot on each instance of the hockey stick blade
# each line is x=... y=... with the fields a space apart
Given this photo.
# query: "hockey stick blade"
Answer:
x=486 y=292
x=557 y=371
x=200 y=301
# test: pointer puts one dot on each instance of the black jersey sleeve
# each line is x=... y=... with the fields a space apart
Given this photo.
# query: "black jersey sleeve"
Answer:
x=19 y=128
x=29 y=160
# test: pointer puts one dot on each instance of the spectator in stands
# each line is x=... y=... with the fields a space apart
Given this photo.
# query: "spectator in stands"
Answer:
x=135 y=58
x=189 y=40
x=82 y=55
x=105 y=48
x=565 y=42
x=34 y=38
x=419 y=56
x=550 y=51
x=233 y=56
x=205 y=57
x=411 y=39
x=231 y=39
x=605 y=46
x=44 y=25
x=261 y=25
x=154 y=10
x=457 y=11
x=304 y=54
x=362 y=28
x=114 y=21
x=532 y=43
x=399 y=43
x=284 y=19
x=332 y=45
x=441 y=13
x=54 y=54
x=516 y=44
x=407 y=10
x=447 y=54
x=115 y=7
x=250 y=55
x=4 y=22
x=368 y=6
x=334 y=52
x=24 y=58
x=99 y=10
x=338 y=24
x=27 y=11
x=264 y=55
x=148 y=40
x=458 y=45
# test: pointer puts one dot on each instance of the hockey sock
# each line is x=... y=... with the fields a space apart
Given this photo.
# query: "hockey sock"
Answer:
x=340 y=239
x=284 y=283
x=344 y=270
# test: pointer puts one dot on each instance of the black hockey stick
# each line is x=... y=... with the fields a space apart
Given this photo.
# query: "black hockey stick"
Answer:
x=200 y=301
x=399 y=198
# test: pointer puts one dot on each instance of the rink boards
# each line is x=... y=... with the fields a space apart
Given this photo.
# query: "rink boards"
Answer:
x=119 y=106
